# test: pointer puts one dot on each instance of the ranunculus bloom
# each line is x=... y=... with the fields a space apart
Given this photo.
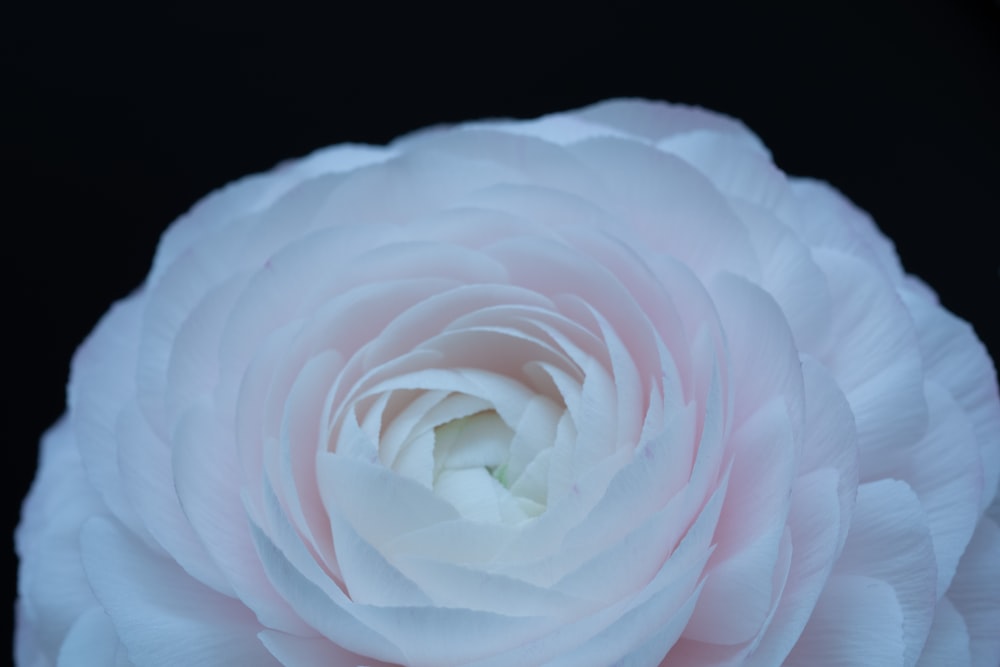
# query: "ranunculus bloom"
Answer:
x=602 y=388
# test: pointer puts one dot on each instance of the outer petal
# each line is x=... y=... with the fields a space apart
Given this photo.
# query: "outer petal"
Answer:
x=975 y=593
x=52 y=583
x=948 y=642
x=163 y=616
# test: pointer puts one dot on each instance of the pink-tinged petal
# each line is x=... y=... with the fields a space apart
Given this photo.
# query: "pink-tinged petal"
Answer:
x=299 y=279
x=670 y=205
x=651 y=619
x=425 y=317
x=857 y=621
x=161 y=615
x=535 y=551
x=975 y=593
x=93 y=641
x=248 y=398
x=760 y=486
x=637 y=491
x=688 y=651
x=638 y=555
x=890 y=541
x=814 y=523
x=955 y=359
x=657 y=329
x=641 y=636
x=875 y=359
x=294 y=651
x=948 y=642
x=420 y=636
x=820 y=510
x=684 y=567
x=292 y=465
x=277 y=530
x=580 y=284
x=737 y=595
x=206 y=476
x=763 y=360
x=322 y=605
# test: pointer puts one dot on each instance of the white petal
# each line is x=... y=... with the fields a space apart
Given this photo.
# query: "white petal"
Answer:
x=825 y=218
x=814 y=523
x=206 y=476
x=657 y=120
x=463 y=587
x=558 y=128
x=93 y=641
x=669 y=205
x=737 y=595
x=146 y=467
x=369 y=578
x=948 y=642
x=890 y=541
x=473 y=492
x=945 y=470
x=102 y=380
x=325 y=608
x=831 y=438
x=737 y=167
x=875 y=359
x=789 y=274
x=857 y=621
x=955 y=359
x=820 y=510
x=163 y=616
x=764 y=363
x=254 y=193
x=392 y=505
x=52 y=584
x=975 y=593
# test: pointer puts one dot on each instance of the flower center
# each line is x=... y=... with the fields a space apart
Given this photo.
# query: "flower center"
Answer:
x=472 y=470
x=489 y=461
x=474 y=443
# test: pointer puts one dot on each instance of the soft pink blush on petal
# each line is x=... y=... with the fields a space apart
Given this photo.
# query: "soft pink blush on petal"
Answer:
x=732 y=430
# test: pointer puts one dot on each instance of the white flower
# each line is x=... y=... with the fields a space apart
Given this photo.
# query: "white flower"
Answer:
x=601 y=388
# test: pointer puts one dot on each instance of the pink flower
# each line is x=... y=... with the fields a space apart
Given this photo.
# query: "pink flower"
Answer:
x=601 y=388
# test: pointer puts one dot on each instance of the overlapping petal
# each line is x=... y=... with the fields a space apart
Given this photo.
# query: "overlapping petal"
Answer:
x=601 y=388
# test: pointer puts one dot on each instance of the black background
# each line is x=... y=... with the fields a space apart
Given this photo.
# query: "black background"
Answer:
x=114 y=123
